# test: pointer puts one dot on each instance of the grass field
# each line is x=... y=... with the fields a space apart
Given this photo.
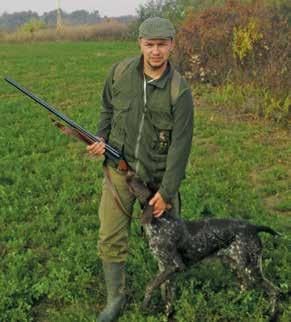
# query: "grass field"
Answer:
x=50 y=190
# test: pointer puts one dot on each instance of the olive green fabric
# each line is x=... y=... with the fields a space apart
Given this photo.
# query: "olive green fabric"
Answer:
x=155 y=137
x=175 y=81
x=114 y=224
x=156 y=28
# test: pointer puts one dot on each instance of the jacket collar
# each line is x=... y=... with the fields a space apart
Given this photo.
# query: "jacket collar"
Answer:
x=162 y=81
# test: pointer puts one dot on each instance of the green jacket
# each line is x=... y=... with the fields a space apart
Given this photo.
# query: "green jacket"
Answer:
x=154 y=134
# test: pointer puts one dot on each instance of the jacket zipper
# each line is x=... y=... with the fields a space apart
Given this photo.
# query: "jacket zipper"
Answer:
x=141 y=125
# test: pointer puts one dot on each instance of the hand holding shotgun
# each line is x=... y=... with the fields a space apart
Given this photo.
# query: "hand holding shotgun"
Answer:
x=97 y=149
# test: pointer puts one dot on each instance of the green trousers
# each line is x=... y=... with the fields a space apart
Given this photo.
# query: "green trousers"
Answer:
x=114 y=224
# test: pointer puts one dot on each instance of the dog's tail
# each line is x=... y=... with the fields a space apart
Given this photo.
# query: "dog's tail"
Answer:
x=267 y=229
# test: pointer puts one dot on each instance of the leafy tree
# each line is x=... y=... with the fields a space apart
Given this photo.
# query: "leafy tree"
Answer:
x=78 y=17
x=32 y=26
x=50 y=18
x=11 y=21
x=175 y=10
x=150 y=9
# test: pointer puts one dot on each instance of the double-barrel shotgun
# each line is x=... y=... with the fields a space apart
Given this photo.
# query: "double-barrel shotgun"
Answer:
x=74 y=129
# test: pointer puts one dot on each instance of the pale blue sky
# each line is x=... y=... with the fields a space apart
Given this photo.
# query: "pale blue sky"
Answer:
x=105 y=7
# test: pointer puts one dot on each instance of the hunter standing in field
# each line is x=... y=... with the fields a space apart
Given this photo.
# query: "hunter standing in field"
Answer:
x=147 y=114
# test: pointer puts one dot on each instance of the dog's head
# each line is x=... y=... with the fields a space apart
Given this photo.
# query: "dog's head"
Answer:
x=143 y=194
x=138 y=188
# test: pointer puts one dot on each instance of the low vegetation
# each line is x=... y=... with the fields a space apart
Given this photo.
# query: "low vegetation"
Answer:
x=34 y=31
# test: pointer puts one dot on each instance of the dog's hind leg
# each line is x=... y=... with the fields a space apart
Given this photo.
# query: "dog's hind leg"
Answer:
x=228 y=262
x=270 y=289
x=234 y=257
x=252 y=270
x=245 y=258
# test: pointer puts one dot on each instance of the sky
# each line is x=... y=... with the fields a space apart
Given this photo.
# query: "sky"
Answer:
x=105 y=7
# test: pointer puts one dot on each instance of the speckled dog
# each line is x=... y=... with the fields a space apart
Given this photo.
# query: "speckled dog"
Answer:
x=178 y=244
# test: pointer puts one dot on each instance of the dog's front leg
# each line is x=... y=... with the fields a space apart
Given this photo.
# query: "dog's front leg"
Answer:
x=160 y=279
x=168 y=292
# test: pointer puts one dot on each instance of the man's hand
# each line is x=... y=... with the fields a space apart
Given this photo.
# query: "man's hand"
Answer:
x=97 y=149
x=159 y=205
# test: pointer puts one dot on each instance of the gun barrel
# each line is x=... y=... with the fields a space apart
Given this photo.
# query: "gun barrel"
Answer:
x=108 y=148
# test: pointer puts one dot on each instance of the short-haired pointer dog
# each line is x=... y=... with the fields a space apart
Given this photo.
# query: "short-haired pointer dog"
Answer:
x=178 y=244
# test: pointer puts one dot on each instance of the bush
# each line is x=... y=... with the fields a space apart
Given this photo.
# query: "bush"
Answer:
x=241 y=43
x=32 y=26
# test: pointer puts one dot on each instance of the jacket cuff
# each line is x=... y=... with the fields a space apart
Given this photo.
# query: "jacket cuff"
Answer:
x=167 y=198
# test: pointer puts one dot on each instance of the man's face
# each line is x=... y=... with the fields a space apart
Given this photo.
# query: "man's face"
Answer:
x=155 y=51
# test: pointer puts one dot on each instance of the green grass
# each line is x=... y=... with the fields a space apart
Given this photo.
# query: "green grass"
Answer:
x=50 y=191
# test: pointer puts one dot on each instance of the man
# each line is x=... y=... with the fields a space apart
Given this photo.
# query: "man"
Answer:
x=147 y=115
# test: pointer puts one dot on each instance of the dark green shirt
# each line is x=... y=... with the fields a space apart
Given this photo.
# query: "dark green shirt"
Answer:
x=155 y=137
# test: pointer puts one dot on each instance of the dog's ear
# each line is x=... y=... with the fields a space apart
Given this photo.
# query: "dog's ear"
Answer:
x=129 y=176
x=147 y=215
x=139 y=189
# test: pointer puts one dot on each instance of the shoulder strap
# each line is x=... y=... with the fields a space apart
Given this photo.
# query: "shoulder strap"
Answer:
x=175 y=87
x=120 y=69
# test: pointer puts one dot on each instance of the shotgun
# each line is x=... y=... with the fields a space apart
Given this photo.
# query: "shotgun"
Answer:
x=74 y=129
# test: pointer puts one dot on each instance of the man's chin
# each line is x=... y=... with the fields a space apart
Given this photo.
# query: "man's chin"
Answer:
x=156 y=65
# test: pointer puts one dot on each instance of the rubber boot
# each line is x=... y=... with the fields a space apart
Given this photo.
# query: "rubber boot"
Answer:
x=115 y=285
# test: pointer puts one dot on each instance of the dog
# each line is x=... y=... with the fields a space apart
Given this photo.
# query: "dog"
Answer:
x=178 y=244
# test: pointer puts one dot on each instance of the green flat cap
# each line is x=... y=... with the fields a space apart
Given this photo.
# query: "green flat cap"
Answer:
x=156 y=28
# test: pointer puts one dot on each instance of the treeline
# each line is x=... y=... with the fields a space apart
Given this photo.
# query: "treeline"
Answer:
x=11 y=22
x=177 y=10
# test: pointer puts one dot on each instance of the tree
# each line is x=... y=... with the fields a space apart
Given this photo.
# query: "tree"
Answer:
x=153 y=8
x=81 y=17
x=175 y=10
x=11 y=21
x=32 y=26
x=50 y=18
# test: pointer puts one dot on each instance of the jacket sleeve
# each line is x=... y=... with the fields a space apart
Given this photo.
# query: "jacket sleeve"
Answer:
x=106 y=113
x=180 y=147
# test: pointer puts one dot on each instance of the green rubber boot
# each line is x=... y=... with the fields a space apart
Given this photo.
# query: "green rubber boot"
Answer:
x=115 y=284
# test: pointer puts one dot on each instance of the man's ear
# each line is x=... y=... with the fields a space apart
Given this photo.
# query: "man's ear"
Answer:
x=139 y=42
x=173 y=44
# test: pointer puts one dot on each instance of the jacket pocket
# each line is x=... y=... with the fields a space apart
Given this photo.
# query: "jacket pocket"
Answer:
x=162 y=135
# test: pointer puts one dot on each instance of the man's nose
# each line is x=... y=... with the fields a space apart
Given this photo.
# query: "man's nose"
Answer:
x=156 y=50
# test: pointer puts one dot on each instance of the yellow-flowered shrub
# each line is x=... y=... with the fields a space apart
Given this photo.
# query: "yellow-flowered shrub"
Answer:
x=244 y=39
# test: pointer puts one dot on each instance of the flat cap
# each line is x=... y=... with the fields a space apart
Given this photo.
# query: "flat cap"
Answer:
x=156 y=28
